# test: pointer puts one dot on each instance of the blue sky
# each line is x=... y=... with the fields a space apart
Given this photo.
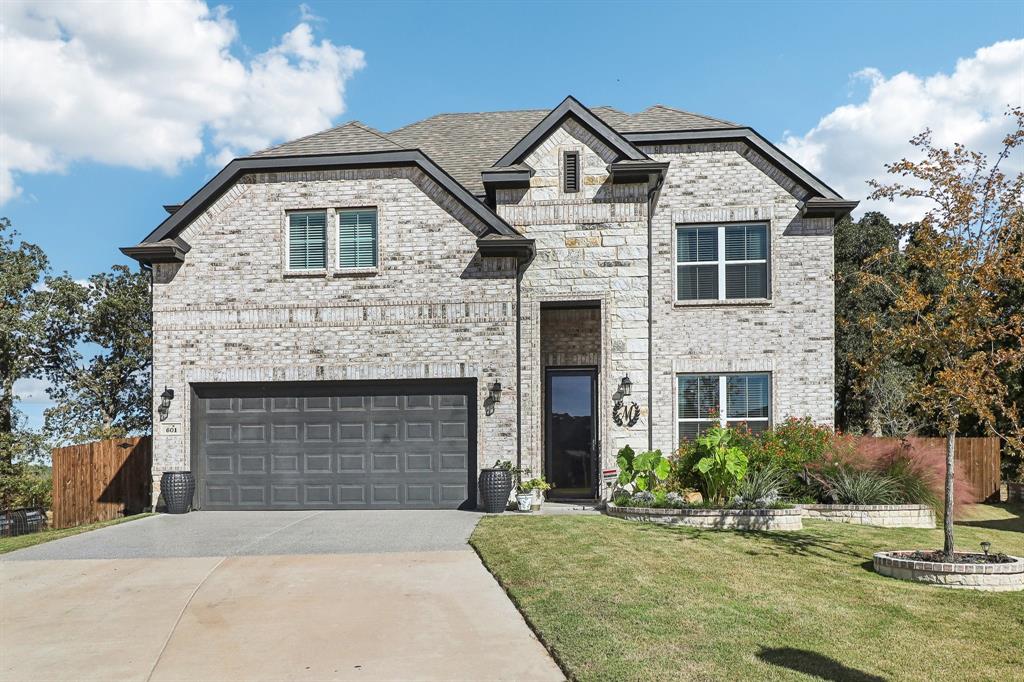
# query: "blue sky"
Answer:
x=830 y=82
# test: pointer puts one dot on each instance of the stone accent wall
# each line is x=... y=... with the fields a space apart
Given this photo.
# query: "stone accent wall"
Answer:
x=883 y=515
x=792 y=335
x=591 y=246
x=433 y=308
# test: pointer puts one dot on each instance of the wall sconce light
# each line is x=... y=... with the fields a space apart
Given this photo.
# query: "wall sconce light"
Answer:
x=495 y=392
x=625 y=386
x=165 y=402
x=623 y=414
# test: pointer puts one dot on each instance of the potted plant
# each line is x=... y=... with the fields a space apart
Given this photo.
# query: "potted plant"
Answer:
x=496 y=483
x=535 y=487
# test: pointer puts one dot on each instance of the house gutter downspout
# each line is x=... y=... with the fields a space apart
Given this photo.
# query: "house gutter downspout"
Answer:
x=652 y=199
x=520 y=269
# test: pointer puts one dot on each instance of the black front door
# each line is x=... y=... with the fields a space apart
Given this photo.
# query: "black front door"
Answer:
x=571 y=432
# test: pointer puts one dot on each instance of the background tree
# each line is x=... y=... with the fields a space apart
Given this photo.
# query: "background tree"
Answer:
x=107 y=394
x=867 y=403
x=960 y=264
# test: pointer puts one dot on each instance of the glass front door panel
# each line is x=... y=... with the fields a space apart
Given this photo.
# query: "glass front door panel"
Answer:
x=570 y=439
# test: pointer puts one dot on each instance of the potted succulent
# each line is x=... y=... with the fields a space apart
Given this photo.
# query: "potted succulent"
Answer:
x=535 y=487
x=496 y=485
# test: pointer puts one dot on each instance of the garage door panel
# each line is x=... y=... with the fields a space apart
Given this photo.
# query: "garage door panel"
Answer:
x=321 y=445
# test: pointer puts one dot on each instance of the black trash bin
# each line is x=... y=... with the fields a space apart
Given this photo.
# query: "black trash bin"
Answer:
x=177 y=488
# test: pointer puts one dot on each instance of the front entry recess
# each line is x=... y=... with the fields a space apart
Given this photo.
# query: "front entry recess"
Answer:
x=571 y=428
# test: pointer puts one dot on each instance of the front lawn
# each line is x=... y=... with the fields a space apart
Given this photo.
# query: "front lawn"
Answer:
x=618 y=600
x=29 y=539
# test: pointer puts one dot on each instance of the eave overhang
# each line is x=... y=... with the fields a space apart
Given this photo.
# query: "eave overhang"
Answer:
x=507 y=177
x=503 y=246
x=836 y=209
x=773 y=154
x=216 y=187
x=651 y=172
x=163 y=251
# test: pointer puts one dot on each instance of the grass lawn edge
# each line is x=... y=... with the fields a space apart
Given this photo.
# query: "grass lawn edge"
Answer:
x=519 y=607
x=19 y=542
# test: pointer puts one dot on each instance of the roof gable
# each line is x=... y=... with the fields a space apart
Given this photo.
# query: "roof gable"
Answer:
x=344 y=139
x=570 y=108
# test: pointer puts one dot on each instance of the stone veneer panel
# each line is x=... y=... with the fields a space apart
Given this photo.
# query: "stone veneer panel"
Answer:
x=724 y=519
x=1008 y=577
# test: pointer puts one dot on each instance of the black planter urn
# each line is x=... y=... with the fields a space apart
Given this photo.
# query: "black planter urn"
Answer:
x=177 y=487
x=495 y=487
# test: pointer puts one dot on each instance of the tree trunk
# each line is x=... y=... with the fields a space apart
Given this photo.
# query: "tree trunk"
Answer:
x=947 y=522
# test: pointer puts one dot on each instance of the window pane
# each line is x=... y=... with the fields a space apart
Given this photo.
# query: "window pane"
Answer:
x=757 y=242
x=357 y=239
x=707 y=244
x=755 y=427
x=746 y=281
x=735 y=243
x=691 y=430
x=707 y=396
x=687 y=397
x=307 y=241
x=747 y=396
x=697 y=282
x=746 y=242
x=686 y=245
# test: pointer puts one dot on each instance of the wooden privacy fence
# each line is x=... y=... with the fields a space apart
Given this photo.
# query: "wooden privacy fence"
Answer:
x=975 y=462
x=102 y=480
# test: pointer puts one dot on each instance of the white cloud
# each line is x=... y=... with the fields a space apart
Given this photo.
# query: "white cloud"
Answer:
x=142 y=84
x=32 y=391
x=852 y=143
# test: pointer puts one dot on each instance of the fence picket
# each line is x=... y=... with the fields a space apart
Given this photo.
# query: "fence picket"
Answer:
x=101 y=480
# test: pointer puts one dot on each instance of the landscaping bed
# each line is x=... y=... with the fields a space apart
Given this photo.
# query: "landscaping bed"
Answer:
x=704 y=517
x=628 y=601
x=967 y=570
x=883 y=515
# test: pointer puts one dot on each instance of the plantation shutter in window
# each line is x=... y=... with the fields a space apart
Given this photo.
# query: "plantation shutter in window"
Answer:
x=696 y=245
x=307 y=241
x=357 y=238
x=572 y=171
x=747 y=278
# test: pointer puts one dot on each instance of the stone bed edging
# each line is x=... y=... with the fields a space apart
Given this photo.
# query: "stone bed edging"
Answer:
x=985 y=577
x=883 y=515
x=742 y=519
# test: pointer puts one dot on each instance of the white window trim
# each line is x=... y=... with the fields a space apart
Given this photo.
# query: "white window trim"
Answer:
x=723 y=407
x=720 y=263
x=306 y=272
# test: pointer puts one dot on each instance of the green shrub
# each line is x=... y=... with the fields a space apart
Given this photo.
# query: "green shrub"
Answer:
x=645 y=471
x=915 y=482
x=721 y=465
x=682 y=475
x=760 y=488
x=844 y=485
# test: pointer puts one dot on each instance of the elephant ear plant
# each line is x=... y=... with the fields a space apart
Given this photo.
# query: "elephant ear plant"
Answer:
x=645 y=471
x=721 y=464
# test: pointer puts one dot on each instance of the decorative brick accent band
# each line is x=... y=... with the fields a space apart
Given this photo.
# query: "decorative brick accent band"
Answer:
x=884 y=515
x=742 y=519
x=985 y=577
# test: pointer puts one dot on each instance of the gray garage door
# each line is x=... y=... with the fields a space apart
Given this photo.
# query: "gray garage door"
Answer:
x=320 y=445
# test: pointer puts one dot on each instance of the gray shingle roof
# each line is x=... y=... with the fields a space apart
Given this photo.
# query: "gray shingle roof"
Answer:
x=465 y=144
x=344 y=139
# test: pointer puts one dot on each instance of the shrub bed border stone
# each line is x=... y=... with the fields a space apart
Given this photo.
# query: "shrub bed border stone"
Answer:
x=740 y=519
x=985 y=577
x=883 y=515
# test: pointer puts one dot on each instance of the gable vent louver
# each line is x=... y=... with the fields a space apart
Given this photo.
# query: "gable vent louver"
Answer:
x=571 y=176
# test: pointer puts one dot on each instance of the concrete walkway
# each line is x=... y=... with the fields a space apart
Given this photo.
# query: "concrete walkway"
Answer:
x=310 y=597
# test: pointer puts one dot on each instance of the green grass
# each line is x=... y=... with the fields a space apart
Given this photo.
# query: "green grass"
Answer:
x=618 y=600
x=22 y=541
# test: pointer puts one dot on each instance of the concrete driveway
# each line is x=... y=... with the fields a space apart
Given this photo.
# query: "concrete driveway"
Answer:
x=394 y=595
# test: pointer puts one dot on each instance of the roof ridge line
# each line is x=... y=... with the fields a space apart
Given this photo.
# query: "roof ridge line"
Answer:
x=373 y=131
x=691 y=113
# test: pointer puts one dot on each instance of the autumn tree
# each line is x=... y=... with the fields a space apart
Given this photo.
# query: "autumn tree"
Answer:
x=961 y=263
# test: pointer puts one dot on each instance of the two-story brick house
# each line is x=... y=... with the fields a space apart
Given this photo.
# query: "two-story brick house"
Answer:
x=357 y=319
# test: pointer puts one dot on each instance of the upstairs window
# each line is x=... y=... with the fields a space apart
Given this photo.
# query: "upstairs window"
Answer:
x=725 y=399
x=722 y=263
x=571 y=172
x=307 y=241
x=357 y=238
